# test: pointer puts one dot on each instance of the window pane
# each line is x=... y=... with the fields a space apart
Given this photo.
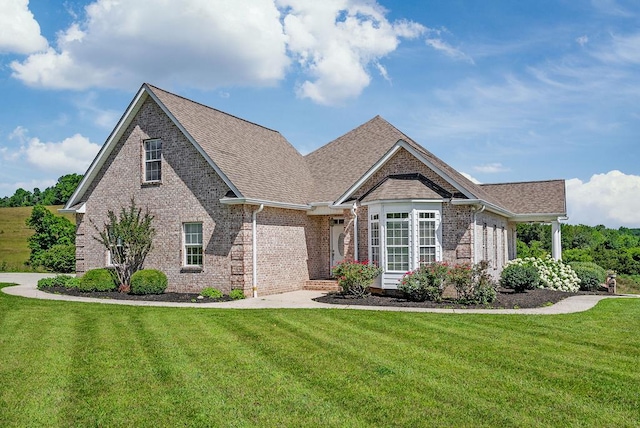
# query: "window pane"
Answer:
x=193 y=244
x=152 y=157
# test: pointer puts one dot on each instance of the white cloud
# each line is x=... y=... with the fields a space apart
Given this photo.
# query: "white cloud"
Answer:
x=73 y=154
x=471 y=178
x=211 y=44
x=204 y=43
x=610 y=199
x=442 y=46
x=19 y=31
x=491 y=168
x=582 y=40
x=335 y=42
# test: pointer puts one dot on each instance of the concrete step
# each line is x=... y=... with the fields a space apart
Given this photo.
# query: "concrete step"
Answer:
x=322 y=285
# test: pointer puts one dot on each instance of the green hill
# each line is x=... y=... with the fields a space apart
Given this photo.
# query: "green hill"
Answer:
x=14 y=251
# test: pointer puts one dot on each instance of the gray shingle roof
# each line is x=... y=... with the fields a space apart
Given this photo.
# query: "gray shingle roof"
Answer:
x=262 y=164
x=259 y=161
x=531 y=197
x=339 y=164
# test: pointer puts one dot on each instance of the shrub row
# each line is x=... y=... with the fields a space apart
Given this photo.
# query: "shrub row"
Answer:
x=472 y=283
x=552 y=274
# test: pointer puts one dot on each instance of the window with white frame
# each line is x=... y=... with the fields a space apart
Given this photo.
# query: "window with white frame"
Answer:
x=427 y=241
x=397 y=245
x=153 y=160
x=375 y=239
x=192 y=244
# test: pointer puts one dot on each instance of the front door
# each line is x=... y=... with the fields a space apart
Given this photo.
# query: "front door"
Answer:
x=337 y=240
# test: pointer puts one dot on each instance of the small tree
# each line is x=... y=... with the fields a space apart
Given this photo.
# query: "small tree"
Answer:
x=52 y=243
x=129 y=239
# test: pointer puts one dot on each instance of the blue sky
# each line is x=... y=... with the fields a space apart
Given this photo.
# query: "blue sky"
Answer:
x=501 y=90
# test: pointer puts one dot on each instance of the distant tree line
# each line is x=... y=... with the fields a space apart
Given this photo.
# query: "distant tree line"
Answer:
x=613 y=249
x=58 y=194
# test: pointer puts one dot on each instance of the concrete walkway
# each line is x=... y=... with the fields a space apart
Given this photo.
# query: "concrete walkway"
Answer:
x=293 y=300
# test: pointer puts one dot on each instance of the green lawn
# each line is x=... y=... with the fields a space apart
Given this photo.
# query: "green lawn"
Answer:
x=75 y=364
x=14 y=251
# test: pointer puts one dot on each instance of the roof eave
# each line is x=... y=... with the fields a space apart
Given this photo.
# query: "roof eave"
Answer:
x=273 y=204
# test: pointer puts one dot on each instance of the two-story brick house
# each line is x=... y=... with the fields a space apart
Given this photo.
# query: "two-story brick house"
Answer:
x=237 y=206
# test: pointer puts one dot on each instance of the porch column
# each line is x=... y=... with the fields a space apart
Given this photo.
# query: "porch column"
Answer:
x=556 y=241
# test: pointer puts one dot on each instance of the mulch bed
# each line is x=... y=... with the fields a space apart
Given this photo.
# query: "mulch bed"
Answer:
x=506 y=299
x=114 y=295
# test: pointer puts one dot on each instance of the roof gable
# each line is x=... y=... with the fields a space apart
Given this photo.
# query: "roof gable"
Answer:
x=254 y=161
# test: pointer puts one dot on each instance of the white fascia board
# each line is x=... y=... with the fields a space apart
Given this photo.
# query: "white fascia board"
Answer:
x=80 y=210
x=404 y=201
x=437 y=170
x=539 y=218
x=195 y=144
x=403 y=144
x=107 y=148
x=272 y=204
x=368 y=174
x=326 y=208
x=489 y=206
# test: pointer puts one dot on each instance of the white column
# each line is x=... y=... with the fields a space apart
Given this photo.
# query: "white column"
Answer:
x=556 y=241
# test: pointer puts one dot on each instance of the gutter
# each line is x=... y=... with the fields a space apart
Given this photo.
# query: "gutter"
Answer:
x=354 y=213
x=273 y=204
x=254 y=250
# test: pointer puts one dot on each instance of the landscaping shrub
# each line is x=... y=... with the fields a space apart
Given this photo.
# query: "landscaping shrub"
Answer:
x=591 y=275
x=59 y=258
x=472 y=283
x=520 y=277
x=554 y=274
x=97 y=280
x=58 y=281
x=236 y=294
x=355 y=277
x=425 y=283
x=148 y=281
x=211 y=293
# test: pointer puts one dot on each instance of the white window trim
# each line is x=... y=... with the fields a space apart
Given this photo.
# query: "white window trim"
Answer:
x=375 y=219
x=146 y=162
x=413 y=209
x=185 y=245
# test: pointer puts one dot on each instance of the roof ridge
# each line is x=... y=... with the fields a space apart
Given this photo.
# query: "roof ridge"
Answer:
x=331 y=143
x=520 y=182
x=211 y=108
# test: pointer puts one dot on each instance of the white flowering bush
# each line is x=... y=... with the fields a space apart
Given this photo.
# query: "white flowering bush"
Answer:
x=553 y=273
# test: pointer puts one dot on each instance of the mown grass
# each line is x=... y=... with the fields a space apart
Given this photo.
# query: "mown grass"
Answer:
x=74 y=364
x=14 y=251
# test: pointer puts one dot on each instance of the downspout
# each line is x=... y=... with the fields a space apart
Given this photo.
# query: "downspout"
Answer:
x=254 y=250
x=475 y=231
x=355 y=231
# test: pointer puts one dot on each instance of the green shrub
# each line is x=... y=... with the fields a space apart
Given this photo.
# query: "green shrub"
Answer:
x=97 y=280
x=211 y=293
x=58 y=281
x=236 y=294
x=148 y=281
x=520 y=277
x=591 y=275
x=59 y=258
x=355 y=277
x=425 y=283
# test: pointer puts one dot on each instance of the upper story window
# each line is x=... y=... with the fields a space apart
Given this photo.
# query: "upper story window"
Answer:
x=152 y=160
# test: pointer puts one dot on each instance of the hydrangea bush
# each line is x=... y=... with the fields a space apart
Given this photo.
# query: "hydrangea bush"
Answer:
x=554 y=274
